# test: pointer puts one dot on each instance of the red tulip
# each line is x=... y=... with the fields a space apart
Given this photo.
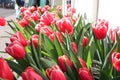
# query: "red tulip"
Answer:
x=62 y=60
x=47 y=18
x=85 y=41
x=22 y=9
x=65 y=24
x=74 y=47
x=5 y=71
x=113 y=32
x=82 y=62
x=31 y=74
x=39 y=26
x=85 y=74
x=59 y=36
x=46 y=30
x=100 y=29
x=55 y=73
x=24 y=23
x=35 y=16
x=2 y=21
x=116 y=60
x=16 y=50
x=39 y=9
x=35 y=40
x=19 y=37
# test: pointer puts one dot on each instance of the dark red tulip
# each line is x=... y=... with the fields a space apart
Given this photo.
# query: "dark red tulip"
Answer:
x=85 y=41
x=65 y=24
x=16 y=50
x=2 y=21
x=62 y=60
x=100 y=29
x=116 y=60
x=5 y=71
x=55 y=73
x=31 y=74
x=19 y=37
x=85 y=74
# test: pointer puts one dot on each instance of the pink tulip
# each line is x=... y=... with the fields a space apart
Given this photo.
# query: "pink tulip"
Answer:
x=39 y=26
x=35 y=40
x=65 y=24
x=85 y=41
x=47 y=18
x=55 y=73
x=113 y=32
x=116 y=60
x=100 y=29
x=35 y=16
x=62 y=60
x=22 y=9
x=16 y=50
x=2 y=21
x=85 y=74
x=5 y=71
x=74 y=47
x=39 y=9
x=19 y=37
x=31 y=74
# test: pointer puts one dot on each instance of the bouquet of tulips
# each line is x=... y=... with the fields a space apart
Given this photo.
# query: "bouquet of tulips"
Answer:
x=47 y=45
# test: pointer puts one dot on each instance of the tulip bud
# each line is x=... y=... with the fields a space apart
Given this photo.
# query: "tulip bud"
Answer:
x=85 y=74
x=116 y=60
x=62 y=60
x=74 y=47
x=19 y=37
x=55 y=73
x=35 y=16
x=82 y=62
x=85 y=41
x=5 y=71
x=35 y=40
x=16 y=50
x=30 y=74
x=2 y=21
x=100 y=29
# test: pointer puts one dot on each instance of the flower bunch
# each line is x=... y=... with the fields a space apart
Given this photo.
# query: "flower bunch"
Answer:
x=47 y=45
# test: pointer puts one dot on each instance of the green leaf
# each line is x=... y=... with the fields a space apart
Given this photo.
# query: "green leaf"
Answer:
x=118 y=42
x=13 y=28
x=58 y=47
x=15 y=67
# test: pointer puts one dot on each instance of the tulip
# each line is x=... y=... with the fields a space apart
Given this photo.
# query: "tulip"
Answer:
x=39 y=9
x=65 y=24
x=74 y=47
x=24 y=23
x=16 y=50
x=35 y=40
x=59 y=36
x=116 y=60
x=22 y=9
x=31 y=74
x=85 y=41
x=113 y=32
x=46 y=30
x=55 y=73
x=19 y=37
x=85 y=74
x=5 y=71
x=100 y=29
x=47 y=18
x=2 y=21
x=62 y=60
x=82 y=62
x=35 y=16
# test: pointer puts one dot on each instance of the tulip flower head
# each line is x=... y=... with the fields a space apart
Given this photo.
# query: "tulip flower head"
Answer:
x=2 y=21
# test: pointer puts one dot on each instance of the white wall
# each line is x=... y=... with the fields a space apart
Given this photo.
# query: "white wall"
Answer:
x=110 y=10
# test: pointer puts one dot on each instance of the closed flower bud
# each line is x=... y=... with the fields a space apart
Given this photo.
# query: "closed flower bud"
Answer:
x=16 y=50
x=63 y=60
x=55 y=73
x=31 y=74
x=85 y=74
x=5 y=71
x=100 y=29
x=116 y=60
x=74 y=47
x=35 y=16
x=2 y=21
x=35 y=40
x=19 y=37
x=85 y=41
x=82 y=62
